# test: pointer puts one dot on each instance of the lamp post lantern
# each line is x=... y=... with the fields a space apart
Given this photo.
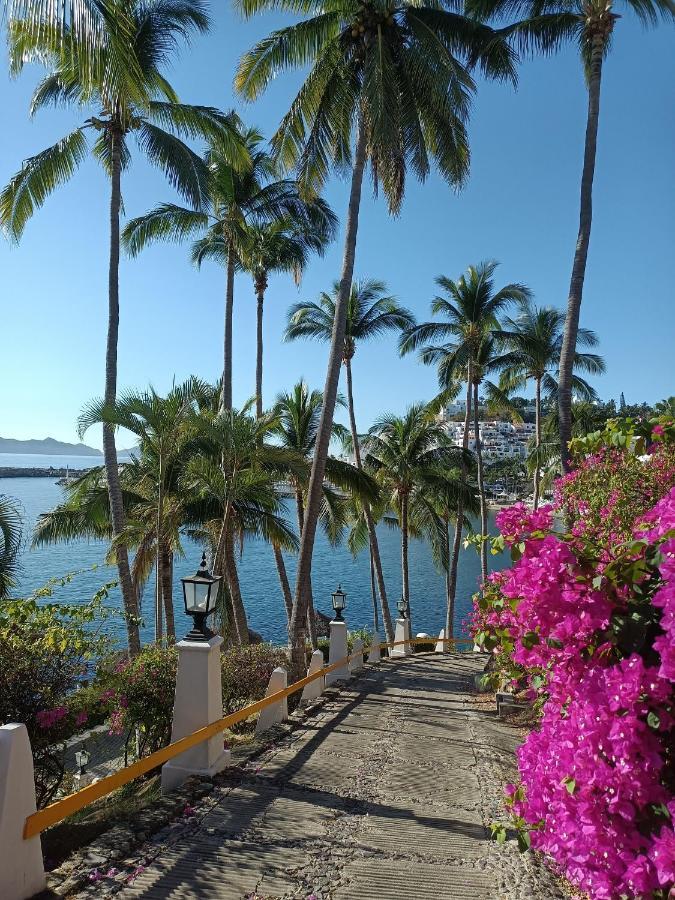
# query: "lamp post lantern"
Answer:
x=403 y=607
x=200 y=593
x=339 y=599
x=81 y=761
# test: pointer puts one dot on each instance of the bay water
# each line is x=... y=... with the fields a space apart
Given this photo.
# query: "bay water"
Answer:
x=257 y=571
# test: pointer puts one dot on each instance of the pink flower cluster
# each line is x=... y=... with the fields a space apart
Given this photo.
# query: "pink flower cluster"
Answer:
x=47 y=718
x=597 y=774
x=592 y=778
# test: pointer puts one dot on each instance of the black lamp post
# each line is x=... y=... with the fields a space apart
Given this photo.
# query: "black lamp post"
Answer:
x=200 y=593
x=339 y=602
x=402 y=606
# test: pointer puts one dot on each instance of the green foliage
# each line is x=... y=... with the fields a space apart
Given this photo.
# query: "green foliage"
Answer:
x=10 y=544
x=46 y=650
x=246 y=672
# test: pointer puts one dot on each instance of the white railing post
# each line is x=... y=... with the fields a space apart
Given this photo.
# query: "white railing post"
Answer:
x=356 y=665
x=275 y=712
x=402 y=633
x=337 y=650
x=440 y=644
x=22 y=871
x=198 y=702
x=314 y=689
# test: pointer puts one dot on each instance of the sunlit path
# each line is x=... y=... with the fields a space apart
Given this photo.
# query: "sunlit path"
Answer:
x=385 y=793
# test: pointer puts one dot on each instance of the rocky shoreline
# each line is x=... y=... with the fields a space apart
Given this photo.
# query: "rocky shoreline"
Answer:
x=48 y=472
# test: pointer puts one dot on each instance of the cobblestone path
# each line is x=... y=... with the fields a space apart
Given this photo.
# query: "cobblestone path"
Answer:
x=385 y=792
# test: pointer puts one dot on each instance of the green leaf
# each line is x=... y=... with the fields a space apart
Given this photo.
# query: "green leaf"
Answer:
x=570 y=784
x=524 y=841
x=653 y=720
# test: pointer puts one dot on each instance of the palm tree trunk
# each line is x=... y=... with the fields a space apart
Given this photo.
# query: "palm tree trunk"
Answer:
x=260 y=295
x=129 y=597
x=283 y=581
x=311 y=614
x=167 y=594
x=451 y=583
x=302 y=587
x=159 y=597
x=404 y=552
x=227 y=343
x=537 y=439
x=580 y=255
x=481 y=488
x=238 y=609
x=376 y=560
x=373 y=593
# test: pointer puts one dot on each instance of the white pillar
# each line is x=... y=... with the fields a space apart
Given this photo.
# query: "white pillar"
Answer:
x=374 y=655
x=402 y=633
x=275 y=712
x=314 y=689
x=22 y=872
x=440 y=644
x=198 y=702
x=356 y=665
x=337 y=650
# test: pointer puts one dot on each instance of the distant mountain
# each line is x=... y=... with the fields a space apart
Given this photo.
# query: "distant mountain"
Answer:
x=47 y=446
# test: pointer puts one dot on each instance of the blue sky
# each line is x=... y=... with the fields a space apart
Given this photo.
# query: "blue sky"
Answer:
x=519 y=207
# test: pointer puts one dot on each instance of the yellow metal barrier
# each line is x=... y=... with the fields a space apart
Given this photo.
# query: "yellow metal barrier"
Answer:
x=61 y=809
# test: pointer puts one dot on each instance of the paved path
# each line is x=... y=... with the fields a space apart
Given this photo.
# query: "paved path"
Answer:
x=385 y=793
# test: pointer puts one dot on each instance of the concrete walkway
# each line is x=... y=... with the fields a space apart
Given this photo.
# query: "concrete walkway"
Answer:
x=385 y=793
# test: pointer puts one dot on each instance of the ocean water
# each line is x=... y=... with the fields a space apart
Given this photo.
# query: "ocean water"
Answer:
x=258 y=575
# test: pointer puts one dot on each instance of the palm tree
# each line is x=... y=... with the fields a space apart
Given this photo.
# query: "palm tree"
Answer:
x=283 y=245
x=394 y=84
x=370 y=312
x=665 y=407
x=163 y=427
x=10 y=544
x=411 y=456
x=460 y=347
x=545 y=27
x=532 y=343
x=145 y=106
x=237 y=199
x=298 y=416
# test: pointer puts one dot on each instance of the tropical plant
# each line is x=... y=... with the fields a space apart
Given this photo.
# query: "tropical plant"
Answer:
x=163 y=426
x=394 y=84
x=545 y=27
x=531 y=352
x=140 y=102
x=10 y=544
x=370 y=312
x=237 y=199
x=665 y=407
x=298 y=415
x=412 y=458
x=461 y=346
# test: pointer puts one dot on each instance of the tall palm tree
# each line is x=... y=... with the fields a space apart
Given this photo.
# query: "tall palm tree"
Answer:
x=411 y=455
x=237 y=198
x=457 y=346
x=370 y=312
x=283 y=245
x=394 y=85
x=10 y=544
x=545 y=27
x=298 y=416
x=145 y=106
x=532 y=342
x=163 y=426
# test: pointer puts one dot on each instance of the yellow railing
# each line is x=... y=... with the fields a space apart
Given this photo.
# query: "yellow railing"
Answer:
x=61 y=809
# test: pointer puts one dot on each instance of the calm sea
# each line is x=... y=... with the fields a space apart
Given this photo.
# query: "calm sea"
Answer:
x=260 y=585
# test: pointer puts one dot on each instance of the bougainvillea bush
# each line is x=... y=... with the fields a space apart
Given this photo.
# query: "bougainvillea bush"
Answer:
x=584 y=621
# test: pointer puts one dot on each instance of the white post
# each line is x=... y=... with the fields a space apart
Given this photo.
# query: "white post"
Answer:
x=402 y=633
x=314 y=689
x=374 y=655
x=440 y=644
x=198 y=702
x=275 y=712
x=356 y=665
x=22 y=872
x=337 y=650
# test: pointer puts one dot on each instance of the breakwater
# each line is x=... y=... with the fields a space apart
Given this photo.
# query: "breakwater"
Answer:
x=48 y=472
